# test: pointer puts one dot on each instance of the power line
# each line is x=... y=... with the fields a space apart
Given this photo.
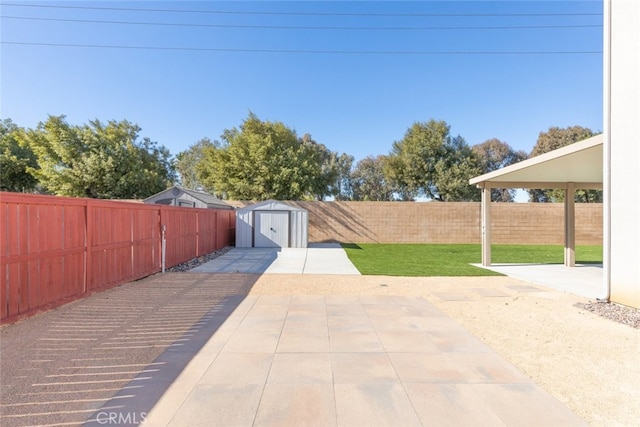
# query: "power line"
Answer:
x=299 y=51
x=224 y=12
x=281 y=27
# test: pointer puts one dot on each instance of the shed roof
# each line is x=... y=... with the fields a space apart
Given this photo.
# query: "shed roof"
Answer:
x=271 y=205
x=579 y=163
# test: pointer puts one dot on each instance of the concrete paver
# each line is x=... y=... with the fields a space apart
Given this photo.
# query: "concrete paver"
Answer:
x=296 y=404
x=330 y=367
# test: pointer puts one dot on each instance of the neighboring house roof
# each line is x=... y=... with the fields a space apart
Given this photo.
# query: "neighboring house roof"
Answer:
x=579 y=163
x=207 y=198
x=176 y=191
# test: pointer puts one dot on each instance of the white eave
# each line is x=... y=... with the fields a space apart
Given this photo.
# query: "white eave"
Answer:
x=579 y=163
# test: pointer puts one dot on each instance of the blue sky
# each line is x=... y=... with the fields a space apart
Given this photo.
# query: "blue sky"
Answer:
x=355 y=75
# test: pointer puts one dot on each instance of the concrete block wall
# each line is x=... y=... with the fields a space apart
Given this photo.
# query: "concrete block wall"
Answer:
x=413 y=222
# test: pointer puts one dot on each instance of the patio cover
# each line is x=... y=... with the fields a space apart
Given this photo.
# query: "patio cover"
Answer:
x=575 y=166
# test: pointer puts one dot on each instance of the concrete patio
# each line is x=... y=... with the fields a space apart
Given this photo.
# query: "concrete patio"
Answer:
x=318 y=258
x=350 y=361
x=584 y=280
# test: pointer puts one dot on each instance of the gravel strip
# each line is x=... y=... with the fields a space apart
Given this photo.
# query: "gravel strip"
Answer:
x=618 y=313
x=193 y=263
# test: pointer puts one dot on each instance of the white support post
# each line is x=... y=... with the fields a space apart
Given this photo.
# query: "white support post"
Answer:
x=486 y=225
x=570 y=225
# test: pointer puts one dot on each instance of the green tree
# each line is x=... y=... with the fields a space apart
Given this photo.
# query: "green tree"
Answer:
x=553 y=139
x=15 y=160
x=431 y=163
x=494 y=154
x=261 y=161
x=342 y=188
x=97 y=160
x=335 y=177
x=369 y=181
x=396 y=177
x=325 y=181
x=187 y=162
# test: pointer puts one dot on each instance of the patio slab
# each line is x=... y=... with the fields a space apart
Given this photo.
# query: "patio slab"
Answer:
x=326 y=368
x=584 y=280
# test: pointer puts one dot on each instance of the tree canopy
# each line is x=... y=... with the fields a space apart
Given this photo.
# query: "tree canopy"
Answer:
x=97 y=160
x=431 y=163
x=494 y=154
x=557 y=137
x=187 y=162
x=369 y=182
x=264 y=160
x=260 y=160
x=15 y=160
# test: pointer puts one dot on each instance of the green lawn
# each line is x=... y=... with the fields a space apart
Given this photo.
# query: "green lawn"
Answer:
x=453 y=260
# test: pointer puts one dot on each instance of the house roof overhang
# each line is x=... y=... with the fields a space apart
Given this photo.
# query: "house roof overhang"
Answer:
x=579 y=163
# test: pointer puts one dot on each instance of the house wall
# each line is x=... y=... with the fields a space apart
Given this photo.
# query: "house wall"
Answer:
x=622 y=149
x=409 y=222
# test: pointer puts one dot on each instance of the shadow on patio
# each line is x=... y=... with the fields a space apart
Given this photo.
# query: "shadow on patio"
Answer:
x=108 y=358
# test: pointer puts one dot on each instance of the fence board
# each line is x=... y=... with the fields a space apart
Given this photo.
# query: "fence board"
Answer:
x=207 y=229
x=17 y=238
x=34 y=237
x=4 y=249
x=181 y=234
x=73 y=275
x=29 y=292
x=74 y=227
x=19 y=272
x=57 y=248
x=4 y=291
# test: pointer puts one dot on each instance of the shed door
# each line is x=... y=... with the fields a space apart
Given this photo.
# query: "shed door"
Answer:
x=271 y=229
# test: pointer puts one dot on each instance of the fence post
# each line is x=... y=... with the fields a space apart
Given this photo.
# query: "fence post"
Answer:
x=163 y=241
x=197 y=234
x=87 y=245
x=164 y=247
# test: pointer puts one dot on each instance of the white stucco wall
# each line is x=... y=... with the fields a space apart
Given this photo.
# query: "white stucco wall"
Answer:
x=622 y=149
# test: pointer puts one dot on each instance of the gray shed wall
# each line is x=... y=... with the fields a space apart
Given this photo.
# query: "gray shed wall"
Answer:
x=298 y=224
x=299 y=229
x=244 y=229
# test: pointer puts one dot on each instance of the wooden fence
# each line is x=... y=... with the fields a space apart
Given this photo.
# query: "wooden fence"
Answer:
x=56 y=249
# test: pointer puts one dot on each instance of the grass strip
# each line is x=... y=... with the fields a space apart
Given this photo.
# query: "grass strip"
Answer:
x=454 y=259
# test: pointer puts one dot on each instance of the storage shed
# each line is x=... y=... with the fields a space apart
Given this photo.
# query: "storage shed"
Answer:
x=272 y=224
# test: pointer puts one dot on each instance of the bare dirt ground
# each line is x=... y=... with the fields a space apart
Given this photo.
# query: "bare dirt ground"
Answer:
x=590 y=363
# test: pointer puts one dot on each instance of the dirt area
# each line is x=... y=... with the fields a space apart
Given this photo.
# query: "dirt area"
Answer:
x=590 y=363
